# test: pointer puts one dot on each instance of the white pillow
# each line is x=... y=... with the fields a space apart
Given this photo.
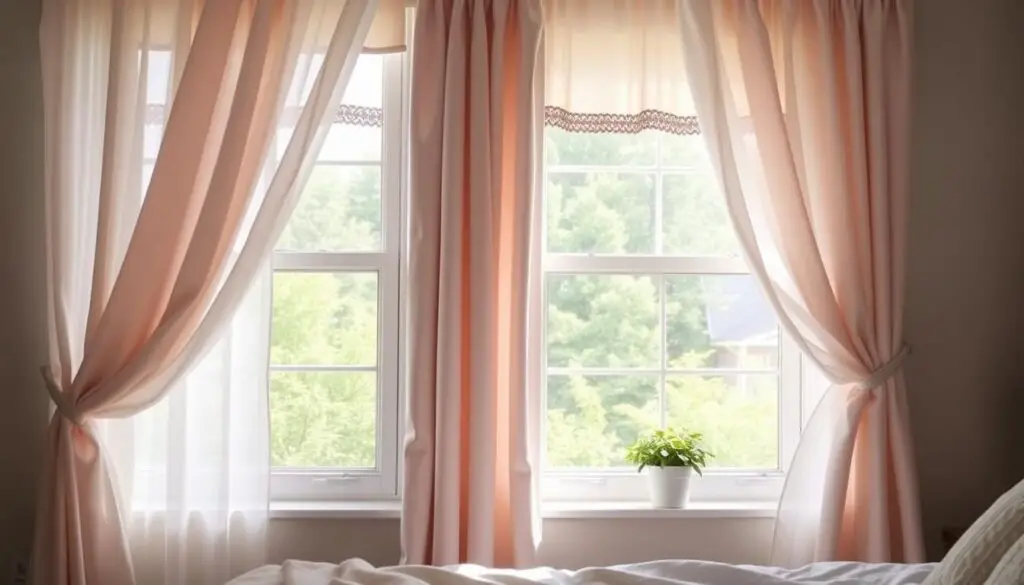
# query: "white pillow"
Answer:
x=976 y=554
x=1010 y=570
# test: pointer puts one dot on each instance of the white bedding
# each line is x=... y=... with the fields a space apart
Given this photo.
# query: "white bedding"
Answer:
x=357 y=571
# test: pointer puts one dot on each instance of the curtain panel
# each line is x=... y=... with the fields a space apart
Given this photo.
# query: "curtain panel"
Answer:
x=163 y=201
x=805 y=109
x=473 y=430
x=804 y=106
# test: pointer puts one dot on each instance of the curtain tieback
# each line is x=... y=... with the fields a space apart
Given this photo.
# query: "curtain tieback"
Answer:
x=884 y=373
x=64 y=408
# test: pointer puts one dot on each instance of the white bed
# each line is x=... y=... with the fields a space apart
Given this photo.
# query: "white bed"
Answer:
x=357 y=571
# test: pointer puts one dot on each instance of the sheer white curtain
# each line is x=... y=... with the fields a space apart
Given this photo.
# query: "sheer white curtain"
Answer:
x=193 y=469
x=158 y=290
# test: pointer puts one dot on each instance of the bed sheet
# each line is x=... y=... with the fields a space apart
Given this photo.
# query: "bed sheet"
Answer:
x=357 y=571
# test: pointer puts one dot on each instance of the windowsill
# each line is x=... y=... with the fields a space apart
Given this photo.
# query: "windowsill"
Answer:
x=643 y=510
x=294 y=510
x=326 y=510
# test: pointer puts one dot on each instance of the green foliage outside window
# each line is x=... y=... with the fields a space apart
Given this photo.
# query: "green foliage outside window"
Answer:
x=593 y=321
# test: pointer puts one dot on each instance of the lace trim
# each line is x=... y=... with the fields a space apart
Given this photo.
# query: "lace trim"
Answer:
x=553 y=116
x=346 y=114
x=620 y=123
x=359 y=116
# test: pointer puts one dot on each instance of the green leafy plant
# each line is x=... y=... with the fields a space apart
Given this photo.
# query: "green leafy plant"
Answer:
x=670 y=448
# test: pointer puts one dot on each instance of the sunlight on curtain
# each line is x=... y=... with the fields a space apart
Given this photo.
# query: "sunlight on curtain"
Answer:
x=192 y=468
x=615 y=67
x=805 y=108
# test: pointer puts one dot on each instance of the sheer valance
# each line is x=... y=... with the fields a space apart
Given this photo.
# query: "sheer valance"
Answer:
x=387 y=32
x=637 y=44
x=157 y=23
x=586 y=44
x=162 y=22
x=348 y=114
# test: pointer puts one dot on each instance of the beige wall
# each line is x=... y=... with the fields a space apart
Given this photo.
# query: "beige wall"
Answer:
x=23 y=400
x=966 y=258
x=966 y=263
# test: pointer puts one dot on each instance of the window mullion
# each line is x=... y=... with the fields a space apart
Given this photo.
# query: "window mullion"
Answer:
x=641 y=265
x=609 y=207
x=663 y=321
x=659 y=205
x=390 y=354
x=330 y=261
x=322 y=368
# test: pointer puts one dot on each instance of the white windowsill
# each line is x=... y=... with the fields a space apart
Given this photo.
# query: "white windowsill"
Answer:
x=644 y=510
x=326 y=510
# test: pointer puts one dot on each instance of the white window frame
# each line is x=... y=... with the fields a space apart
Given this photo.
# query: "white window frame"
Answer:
x=625 y=484
x=382 y=482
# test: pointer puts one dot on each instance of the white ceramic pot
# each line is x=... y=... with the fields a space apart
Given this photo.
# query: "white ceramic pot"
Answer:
x=670 y=486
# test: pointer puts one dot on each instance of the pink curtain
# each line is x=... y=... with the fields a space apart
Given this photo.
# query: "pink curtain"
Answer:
x=135 y=299
x=473 y=438
x=805 y=109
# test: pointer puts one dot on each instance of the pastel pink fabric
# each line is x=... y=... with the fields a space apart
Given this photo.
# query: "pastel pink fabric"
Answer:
x=805 y=108
x=470 y=465
x=154 y=292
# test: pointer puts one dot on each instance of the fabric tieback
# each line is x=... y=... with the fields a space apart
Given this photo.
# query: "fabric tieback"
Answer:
x=884 y=373
x=64 y=408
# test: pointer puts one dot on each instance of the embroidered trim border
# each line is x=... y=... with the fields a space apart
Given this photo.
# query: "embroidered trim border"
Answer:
x=346 y=114
x=620 y=123
x=369 y=116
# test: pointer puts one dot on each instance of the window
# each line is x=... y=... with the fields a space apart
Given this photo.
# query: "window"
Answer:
x=653 y=319
x=334 y=379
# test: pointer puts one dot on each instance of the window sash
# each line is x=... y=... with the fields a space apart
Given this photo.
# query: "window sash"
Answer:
x=623 y=484
x=381 y=482
x=613 y=484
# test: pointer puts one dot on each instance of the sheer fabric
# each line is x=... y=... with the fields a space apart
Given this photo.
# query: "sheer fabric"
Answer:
x=472 y=447
x=161 y=209
x=804 y=106
x=635 y=44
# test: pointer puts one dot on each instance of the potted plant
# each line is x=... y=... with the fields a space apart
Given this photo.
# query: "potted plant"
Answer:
x=670 y=457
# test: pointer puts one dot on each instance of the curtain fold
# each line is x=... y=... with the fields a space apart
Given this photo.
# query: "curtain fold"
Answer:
x=804 y=106
x=145 y=273
x=473 y=435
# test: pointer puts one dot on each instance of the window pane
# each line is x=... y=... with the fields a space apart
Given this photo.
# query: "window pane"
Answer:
x=696 y=222
x=324 y=318
x=323 y=419
x=365 y=87
x=351 y=143
x=158 y=73
x=152 y=134
x=339 y=211
x=592 y=419
x=683 y=151
x=575 y=148
x=344 y=143
x=602 y=321
x=147 y=174
x=719 y=322
x=738 y=414
x=600 y=213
